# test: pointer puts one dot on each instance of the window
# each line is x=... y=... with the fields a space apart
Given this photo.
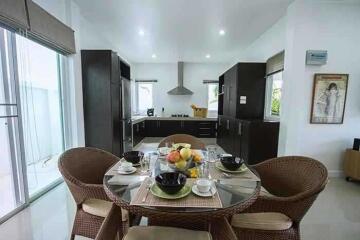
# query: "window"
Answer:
x=213 y=91
x=31 y=120
x=274 y=84
x=144 y=96
x=41 y=109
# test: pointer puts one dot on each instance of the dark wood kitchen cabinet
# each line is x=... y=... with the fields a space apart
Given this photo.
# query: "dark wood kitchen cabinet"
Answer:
x=139 y=132
x=243 y=88
x=164 y=128
x=252 y=140
x=102 y=100
x=241 y=129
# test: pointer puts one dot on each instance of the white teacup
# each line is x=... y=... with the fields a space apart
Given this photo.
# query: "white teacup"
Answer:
x=126 y=166
x=203 y=185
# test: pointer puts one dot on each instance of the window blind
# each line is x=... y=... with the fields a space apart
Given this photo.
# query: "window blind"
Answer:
x=13 y=14
x=275 y=63
x=146 y=80
x=210 y=81
x=49 y=31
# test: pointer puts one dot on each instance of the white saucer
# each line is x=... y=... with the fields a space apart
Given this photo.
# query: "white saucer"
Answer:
x=207 y=194
x=120 y=171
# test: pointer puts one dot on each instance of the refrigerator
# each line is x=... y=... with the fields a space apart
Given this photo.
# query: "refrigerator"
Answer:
x=126 y=114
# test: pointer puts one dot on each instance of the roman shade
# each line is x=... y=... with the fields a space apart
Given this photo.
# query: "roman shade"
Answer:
x=210 y=81
x=49 y=31
x=275 y=63
x=13 y=14
x=146 y=80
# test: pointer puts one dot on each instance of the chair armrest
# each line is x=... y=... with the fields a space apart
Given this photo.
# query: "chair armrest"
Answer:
x=295 y=208
x=111 y=226
x=221 y=230
x=96 y=191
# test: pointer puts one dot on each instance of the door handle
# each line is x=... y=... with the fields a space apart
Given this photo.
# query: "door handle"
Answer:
x=240 y=130
x=229 y=93
x=227 y=124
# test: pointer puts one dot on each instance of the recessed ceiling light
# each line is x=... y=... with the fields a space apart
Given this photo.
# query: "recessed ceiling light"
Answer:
x=208 y=56
x=222 y=32
x=153 y=56
x=141 y=32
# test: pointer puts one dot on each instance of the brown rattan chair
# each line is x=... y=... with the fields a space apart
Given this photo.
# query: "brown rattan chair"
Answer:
x=83 y=170
x=183 y=138
x=110 y=228
x=295 y=183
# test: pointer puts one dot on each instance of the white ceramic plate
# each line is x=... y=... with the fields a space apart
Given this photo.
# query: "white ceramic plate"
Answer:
x=120 y=171
x=200 y=194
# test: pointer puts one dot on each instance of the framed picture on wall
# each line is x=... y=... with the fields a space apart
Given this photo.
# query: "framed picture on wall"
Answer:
x=329 y=98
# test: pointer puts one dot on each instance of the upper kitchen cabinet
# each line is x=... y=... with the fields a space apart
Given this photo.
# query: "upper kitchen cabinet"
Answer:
x=243 y=91
x=102 y=100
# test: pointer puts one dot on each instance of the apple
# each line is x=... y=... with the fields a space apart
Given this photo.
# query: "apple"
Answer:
x=180 y=164
x=185 y=153
x=173 y=156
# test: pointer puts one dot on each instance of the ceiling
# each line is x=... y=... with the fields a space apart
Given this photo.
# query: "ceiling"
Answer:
x=182 y=30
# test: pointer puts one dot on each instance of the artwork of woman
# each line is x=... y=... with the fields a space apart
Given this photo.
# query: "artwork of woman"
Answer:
x=329 y=98
x=329 y=103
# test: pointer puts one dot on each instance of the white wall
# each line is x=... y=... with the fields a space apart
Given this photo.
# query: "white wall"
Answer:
x=268 y=44
x=333 y=26
x=86 y=37
x=166 y=74
x=308 y=24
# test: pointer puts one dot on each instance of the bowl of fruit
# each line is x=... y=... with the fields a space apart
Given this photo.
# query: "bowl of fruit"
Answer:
x=183 y=158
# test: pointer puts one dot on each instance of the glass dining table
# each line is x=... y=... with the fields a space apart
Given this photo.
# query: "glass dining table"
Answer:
x=235 y=191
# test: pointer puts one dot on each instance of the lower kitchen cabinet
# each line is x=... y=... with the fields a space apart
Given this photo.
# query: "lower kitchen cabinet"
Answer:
x=252 y=140
x=163 y=128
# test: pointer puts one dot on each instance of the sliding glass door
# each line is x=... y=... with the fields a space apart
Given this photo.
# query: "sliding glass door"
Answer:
x=31 y=121
x=42 y=121
x=12 y=190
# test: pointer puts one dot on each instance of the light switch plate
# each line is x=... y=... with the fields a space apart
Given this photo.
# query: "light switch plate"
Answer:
x=242 y=99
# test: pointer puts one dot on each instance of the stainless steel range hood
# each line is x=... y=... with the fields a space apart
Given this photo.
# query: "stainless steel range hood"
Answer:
x=180 y=89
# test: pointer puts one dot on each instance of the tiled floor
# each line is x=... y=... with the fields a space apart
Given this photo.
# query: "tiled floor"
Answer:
x=334 y=216
x=39 y=175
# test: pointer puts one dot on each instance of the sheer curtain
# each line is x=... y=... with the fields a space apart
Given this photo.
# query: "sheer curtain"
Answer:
x=40 y=97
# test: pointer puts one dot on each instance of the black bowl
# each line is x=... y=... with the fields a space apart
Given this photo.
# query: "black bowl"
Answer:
x=171 y=182
x=133 y=156
x=231 y=163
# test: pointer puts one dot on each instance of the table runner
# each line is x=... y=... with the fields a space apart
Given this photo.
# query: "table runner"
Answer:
x=189 y=201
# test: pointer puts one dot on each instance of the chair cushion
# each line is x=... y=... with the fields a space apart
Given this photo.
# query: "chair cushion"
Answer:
x=262 y=221
x=101 y=208
x=164 y=233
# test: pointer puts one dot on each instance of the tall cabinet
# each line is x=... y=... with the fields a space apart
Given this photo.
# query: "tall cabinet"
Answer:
x=102 y=100
x=241 y=128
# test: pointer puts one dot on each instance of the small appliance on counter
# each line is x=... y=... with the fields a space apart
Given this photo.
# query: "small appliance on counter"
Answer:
x=150 y=112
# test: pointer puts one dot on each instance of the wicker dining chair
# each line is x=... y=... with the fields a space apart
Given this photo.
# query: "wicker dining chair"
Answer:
x=83 y=170
x=294 y=183
x=183 y=138
x=110 y=228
